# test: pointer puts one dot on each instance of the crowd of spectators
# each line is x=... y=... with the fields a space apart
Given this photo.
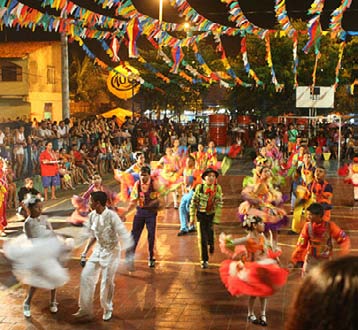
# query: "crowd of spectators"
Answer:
x=323 y=138
x=85 y=147
x=97 y=145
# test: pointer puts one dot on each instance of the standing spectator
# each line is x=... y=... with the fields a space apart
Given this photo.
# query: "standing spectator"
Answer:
x=270 y=132
x=284 y=142
x=206 y=205
x=62 y=134
x=19 y=151
x=106 y=230
x=49 y=170
x=183 y=141
x=9 y=144
x=192 y=143
x=292 y=138
x=154 y=143
x=2 y=144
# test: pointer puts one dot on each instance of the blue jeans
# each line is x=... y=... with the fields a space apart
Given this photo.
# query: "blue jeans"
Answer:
x=184 y=210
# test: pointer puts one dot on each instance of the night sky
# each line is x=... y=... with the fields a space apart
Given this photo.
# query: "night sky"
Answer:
x=259 y=12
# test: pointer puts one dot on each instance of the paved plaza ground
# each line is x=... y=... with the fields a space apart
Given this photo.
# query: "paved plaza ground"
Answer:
x=177 y=294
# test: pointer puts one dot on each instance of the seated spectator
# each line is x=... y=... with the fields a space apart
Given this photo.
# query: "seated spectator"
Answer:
x=66 y=178
x=79 y=161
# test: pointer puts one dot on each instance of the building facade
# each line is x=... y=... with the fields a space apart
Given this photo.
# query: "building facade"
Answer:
x=30 y=81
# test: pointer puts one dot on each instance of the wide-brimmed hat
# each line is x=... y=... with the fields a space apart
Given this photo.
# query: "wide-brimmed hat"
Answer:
x=209 y=170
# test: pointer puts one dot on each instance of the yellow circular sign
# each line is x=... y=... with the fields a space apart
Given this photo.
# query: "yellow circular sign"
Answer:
x=123 y=81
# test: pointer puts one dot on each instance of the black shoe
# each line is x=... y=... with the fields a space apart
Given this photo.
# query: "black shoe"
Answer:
x=299 y=264
x=182 y=233
x=211 y=249
x=192 y=230
x=151 y=263
x=291 y=232
x=262 y=321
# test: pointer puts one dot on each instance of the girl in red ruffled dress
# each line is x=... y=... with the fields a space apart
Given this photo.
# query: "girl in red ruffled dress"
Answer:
x=253 y=269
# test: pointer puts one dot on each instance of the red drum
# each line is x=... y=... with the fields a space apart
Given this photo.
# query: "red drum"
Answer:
x=302 y=121
x=244 y=120
x=271 y=120
x=218 y=129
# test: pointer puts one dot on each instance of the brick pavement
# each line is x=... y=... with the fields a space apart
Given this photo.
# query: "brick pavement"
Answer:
x=177 y=294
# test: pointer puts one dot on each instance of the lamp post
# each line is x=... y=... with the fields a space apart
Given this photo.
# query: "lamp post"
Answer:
x=160 y=12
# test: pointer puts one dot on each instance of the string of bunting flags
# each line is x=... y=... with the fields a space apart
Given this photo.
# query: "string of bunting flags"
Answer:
x=128 y=25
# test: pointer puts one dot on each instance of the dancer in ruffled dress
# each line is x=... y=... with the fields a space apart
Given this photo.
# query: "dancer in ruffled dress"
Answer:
x=263 y=200
x=37 y=255
x=200 y=157
x=253 y=269
x=169 y=174
x=3 y=198
x=350 y=172
x=212 y=156
x=81 y=203
x=128 y=177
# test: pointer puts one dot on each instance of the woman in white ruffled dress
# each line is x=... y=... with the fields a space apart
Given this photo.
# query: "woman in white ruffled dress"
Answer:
x=37 y=255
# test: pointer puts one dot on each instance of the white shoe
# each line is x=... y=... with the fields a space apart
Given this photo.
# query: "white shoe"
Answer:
x=82 y=315
x=107 y=315
x=53 y=307
x=26 y=310
x=204 y=265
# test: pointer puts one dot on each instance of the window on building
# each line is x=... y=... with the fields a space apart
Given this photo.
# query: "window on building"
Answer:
x=51 y=75
x=48 y=111
x=10 y=72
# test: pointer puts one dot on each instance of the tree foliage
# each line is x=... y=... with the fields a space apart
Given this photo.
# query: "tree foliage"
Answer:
x=88 y=82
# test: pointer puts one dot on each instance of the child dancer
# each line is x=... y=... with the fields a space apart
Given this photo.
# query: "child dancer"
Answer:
x=3 y=198
x=351 y=176
x=81 y=203
x=36 y=255
x=253 y=269
x=263 y=200
x=315 y=243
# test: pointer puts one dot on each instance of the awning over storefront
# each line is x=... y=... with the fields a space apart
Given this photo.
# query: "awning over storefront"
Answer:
x=120 y=113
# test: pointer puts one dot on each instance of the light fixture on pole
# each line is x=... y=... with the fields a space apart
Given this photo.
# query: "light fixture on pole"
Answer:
x=160 y=12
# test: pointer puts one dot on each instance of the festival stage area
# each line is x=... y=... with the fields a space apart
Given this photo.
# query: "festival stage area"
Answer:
x=177 y=294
